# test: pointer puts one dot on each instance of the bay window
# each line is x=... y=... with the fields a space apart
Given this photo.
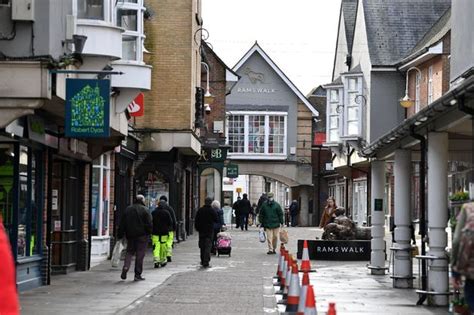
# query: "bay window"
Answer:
x=256 y=133
x=101 y=195
x=130 y=17
x=334 y=101
x=352 y=113
x=91 y=9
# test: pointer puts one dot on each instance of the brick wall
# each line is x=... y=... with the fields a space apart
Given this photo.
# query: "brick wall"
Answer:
x=304 y=137
x=176 y=65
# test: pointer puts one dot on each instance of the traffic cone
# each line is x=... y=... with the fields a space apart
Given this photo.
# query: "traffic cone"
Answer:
x=277 y=278
x=283 y=273
x=332 y=309
x=294 y=290
x=305 y=264
x=287 y=281
x=310 y=305
x=303 y=291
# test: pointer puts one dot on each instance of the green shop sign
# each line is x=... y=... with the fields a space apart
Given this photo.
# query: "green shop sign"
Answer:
x=232 y=170
x=87 y=108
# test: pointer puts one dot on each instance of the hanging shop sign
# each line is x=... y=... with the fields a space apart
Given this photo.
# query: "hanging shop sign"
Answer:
x=137 y=107
x=87 y=108
x=232 y=170
x=213 y=155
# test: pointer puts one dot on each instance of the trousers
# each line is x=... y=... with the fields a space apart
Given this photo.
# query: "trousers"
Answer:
x=272 y=238
x=160 y=248
x=137 y=247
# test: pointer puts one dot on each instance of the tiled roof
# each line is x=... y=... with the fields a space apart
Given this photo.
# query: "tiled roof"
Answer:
x=394 y=27
x=349 y=10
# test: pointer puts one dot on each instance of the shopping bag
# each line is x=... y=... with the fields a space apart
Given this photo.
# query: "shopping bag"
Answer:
x=283 y=236
x=117 y=253
x=262 y=236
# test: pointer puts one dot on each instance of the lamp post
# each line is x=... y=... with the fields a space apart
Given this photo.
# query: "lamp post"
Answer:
x=208 y=97
x=406 y=101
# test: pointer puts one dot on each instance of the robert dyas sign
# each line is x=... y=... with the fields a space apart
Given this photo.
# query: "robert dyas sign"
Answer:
x=336 y=250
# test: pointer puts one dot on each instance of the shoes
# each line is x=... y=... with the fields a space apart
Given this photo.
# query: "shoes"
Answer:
x=168 y=259
x=269 y=252
x=206 y=266
x=273 y=252
x=163 y=264
x=139 y=278
x=123 y=276
x=157 y=265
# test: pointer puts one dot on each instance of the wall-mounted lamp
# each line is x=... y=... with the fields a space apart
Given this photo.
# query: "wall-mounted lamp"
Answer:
x=406 y=101
x=208 y=97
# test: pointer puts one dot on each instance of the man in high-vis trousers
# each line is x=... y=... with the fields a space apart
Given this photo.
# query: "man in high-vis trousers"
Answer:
x=169 y=243
x=162 y=222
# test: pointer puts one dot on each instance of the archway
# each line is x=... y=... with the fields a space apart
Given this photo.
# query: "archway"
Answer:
x=210 y=184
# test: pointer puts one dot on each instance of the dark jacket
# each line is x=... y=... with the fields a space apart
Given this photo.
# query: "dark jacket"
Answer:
x=220 y=223
x=294 y=208
x=135 y=222
x=260 y=203
x=244 y=206
x=236 y=207
x=271 y=215
x=167 y=207
x=162 y=221
x=204 y=221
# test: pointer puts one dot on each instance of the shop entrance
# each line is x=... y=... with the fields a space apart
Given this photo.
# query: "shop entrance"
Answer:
x=66 y=211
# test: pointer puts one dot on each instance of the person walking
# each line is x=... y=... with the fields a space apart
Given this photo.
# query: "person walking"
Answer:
x=8 y=292
x=162 y=224
x=253 y=213
x=170 y=239
x=235 y=206
x=244 y=209
x=204 y=224
x=271 y=218
x=294 y=213
x=216 y=205
x=136 y=226
x=328 y=213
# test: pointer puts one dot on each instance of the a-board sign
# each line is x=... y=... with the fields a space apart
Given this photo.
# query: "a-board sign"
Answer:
x=336 y=250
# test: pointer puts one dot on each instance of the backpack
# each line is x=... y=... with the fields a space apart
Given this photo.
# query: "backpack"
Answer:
x=465 y=256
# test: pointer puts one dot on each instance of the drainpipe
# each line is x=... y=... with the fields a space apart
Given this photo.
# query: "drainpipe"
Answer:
x=423 y=211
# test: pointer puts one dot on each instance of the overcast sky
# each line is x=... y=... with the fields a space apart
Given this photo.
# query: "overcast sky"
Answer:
x=299 y=35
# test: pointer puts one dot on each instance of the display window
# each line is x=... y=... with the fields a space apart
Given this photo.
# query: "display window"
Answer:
x=100 y=195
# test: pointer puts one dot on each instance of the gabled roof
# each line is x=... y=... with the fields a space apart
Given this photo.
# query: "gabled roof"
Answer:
x=205 y=47
x=257 y=49
x=349 y=11
x=395 y=27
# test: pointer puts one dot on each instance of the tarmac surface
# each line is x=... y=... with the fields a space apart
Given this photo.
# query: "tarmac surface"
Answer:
x=240 y=284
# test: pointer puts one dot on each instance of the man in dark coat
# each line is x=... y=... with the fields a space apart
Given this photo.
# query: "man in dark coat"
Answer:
x=162 y=224
x=244 y=209
x=135 y=225
x=235 y=206
x=294 y=212
x=204 y=224
x=169 y=244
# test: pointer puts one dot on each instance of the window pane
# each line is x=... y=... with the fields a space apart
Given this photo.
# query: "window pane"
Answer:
x=130 y=1
x=35 y=204
x=352 y=84
x=334 y=96
x=276 y=139
x=95 y=200
x=352 y=99
x=256 y=134
x=23 y=203
x=333 y=135
x=129 y=48
x=353 y=128
x=353 y=113
x=236 y=133
x=334 y=121
x=127 y=19
x=90 y=9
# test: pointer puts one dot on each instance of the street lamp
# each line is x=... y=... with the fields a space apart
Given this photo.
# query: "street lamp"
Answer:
x=406 y=101
x=208 y=97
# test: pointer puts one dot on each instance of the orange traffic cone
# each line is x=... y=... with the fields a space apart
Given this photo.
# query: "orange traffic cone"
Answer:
x=284 y=291
x=294 y=290
x=304 y=289
x=332 y=309
x=283 y=272
x=310 y=307
x=305 y=264
x=277 y=279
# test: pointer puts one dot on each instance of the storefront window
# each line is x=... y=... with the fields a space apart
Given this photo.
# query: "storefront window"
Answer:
x=153 y=185
x=7 y=157
x=29 y=206
x=100 y=196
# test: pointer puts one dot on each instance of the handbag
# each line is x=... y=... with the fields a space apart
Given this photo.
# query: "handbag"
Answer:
x=117 y=252
x=262 y=237
x=284 y=236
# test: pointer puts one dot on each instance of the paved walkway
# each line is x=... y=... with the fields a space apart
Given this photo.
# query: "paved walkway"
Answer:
x=240 y=284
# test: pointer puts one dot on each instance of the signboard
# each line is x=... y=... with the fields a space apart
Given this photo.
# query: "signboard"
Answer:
x=232 y=171
x=87 y=108
x=378 y=204
x=213 y=155
x=137 y=107
x=336 y=250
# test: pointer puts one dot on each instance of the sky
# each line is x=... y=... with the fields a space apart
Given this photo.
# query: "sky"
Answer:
x=299 y=35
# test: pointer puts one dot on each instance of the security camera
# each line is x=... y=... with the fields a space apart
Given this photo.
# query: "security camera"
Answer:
x=207 y=109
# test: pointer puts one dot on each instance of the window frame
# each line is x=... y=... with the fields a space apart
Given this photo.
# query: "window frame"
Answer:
x=266 y=154
x=138 y=35
x=329 y=114
x=108 y=12
x=104 y=168
x=348 y=106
